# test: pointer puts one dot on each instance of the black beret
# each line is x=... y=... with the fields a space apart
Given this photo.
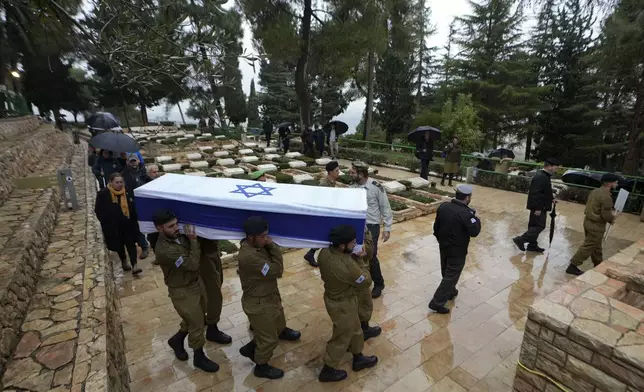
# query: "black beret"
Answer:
x=331 y=166
x=553 y=162
x=255 y=225
x=161 y=217
x=342 y=235
x=609 y=177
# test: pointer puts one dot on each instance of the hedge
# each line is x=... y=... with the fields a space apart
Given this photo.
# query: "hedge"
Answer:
x=241 y=176
x=397 y=205
x=416 y=197
x=284 y=178
x=506 y=182
x=227 y=246
x=311 y=182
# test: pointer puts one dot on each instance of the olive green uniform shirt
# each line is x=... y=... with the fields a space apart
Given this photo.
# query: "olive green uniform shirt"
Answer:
x=259 y=269
x=599 y=207
x=327 y=182
x=341 y=274
x=179 y=260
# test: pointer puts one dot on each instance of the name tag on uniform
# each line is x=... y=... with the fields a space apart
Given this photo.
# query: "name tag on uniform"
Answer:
x=179 y=261
x=473 y=220
x=265 y=269
x=360 y=279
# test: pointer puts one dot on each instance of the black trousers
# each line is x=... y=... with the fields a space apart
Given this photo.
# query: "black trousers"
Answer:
x=374 y=263
x=424 y=168
x=130 y=246
x=451 y=268
x=152 y=239
x=536 y=224
x=285 y=144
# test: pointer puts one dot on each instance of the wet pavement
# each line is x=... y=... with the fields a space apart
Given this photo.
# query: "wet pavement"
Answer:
x=474 y=348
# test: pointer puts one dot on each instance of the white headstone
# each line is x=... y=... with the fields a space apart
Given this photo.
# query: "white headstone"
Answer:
x=270 y=149
x=250 y=145
x=322 y=161
x=271 y=156
x=393 y=186
x=297 y=164
x=206 y=134
x=228 y=146
x=189 y=136
x=225 y=161
x=293 y=154
x=249 y=158
x=231 y=171
x=418 y=182
x=301 y=177
x=182 y=139
x=269 y=167
x=198 y=164
x=221 y=153
x=206 y=148
x=371 y=170
x=170 y=167
x=219 y=137
x=193 y=156
x=196 y=174
x=164 y=159
x=246 y=151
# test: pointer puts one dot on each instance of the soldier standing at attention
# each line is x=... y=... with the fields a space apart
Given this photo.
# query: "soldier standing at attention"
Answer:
x=540 y=200
x=377 y=209
x=365 y=302
x=260 y=264
x=343 y=279
x=455 y=223
x=179 y=258
x=211 y=272
x=598 y=212
x=332 y=174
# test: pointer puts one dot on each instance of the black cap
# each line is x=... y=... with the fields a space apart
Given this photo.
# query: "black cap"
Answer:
x=255 y=225
x=331 y=166
x=342 y=235
x=552 y=162
x=161 y=217
x=609 y=177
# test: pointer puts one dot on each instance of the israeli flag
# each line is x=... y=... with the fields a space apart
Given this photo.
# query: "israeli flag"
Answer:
x=299 y=216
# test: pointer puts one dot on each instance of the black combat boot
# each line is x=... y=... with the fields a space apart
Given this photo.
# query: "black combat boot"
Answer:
x=454 y=294
x=125 y=265
x=438 y=308
x=535 y=248
x=310 y=258
x=204 y=363
x=176 y=343
x=329 y=374
x=290 y=334
x=574 y=270
x=267 y=371
x=377 y=291
x=248 y=350
x=213 y=334
x=519 y=243
x=363 y=362
x=370 y=332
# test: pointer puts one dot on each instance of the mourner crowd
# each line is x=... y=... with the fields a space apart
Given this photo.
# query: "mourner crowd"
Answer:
x=351 y=274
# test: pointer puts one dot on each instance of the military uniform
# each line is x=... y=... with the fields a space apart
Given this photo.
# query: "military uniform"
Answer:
x=310 y=255
x=259 y=269
x=378 y=209
x=180 y=262
x=365 y=302
x=598 y=212
x=327 y=182
x=343 y=279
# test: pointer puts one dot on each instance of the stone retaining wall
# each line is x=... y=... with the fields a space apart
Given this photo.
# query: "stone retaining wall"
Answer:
x=583 y=337
x=12 y=127
x=118 y=376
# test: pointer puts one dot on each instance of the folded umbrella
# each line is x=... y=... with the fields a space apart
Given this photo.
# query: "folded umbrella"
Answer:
x=116 y=142
x=418 y=134
x=553 y=215
x=340 y=127
x=103 y=121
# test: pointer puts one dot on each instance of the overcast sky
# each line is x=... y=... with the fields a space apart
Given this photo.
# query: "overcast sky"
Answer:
x=443 y=12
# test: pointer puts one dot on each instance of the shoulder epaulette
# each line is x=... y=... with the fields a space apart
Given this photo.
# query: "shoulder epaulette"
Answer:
x=377 y=184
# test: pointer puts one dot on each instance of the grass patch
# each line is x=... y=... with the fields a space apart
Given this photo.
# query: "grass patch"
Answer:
x=437 y=191
x=311 y=182
x=413 y=196
x=397 y=205
x=345 y=179
x=284 y=178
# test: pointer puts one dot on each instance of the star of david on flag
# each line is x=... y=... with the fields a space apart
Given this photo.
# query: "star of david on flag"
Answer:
x=255 y=190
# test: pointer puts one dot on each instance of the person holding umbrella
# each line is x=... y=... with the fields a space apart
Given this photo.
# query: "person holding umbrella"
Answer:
x=598 y=212
x=452 y=160
x=424 y=138
x=333 y=131
x=105 y=165
x=540 y=200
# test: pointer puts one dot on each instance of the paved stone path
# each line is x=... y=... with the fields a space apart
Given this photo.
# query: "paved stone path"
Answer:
x=63 y=343
x=474 y=348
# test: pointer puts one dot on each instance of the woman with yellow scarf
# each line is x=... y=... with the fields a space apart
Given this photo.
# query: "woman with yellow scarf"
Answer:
x=115 y=211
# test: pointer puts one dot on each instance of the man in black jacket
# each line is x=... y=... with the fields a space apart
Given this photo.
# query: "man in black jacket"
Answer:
x=540 y=200
x=455 y=224
x=134 y=176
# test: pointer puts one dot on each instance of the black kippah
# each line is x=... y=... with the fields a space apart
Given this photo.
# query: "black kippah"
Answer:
x=255 y=225
x=331 y=166
x=609 y=177
x=161 y=217
x=342 y=235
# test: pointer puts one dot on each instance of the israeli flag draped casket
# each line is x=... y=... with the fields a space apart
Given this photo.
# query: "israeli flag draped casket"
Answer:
x=299 y=216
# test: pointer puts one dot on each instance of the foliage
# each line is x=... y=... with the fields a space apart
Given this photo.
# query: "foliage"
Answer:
x=460 y=119
x=253 y=107
x=284 y=178
x=397 y=205
x=416 y=197
x=506 y=182
x=227 y=247
x=345 y=179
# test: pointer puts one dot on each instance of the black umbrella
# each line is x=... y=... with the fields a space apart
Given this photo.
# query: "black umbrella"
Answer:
x=502 y=152
x=340 y=127
x=116 y=142
x=103 y=121
x=577 y=177
x=418 y=134
x=553 y=215
x=284 y=125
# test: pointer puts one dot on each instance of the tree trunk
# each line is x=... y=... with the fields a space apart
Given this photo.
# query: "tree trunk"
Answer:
x=183 y=120
x=144 y=113
x=124 y=104
x=369 y=118
x=635 y=136
x=528 y=145
x=301 y=82
x=75 y=114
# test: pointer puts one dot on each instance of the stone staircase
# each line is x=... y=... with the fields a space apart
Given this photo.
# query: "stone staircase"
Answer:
x=28 y=212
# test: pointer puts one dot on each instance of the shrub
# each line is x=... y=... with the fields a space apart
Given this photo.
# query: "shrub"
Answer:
x=242 y=176
x=406 y=183
x=188 y=126
x=308 y=161
x=345 y=179
x=314 y=169
x=167 y=123
x=284 y=178
x=437 y=191
x=284 y=165
x=416 y=197
x=573 y=193
x=227 y=246
x=311 y=182
x=397 y=205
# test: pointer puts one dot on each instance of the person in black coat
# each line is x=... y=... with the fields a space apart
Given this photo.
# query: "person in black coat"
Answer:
x=104 y=165
x=425 y=152
x=267 y=127
x=454 y=225
x=115 y=210
x=134 y=175
x=540 y=200
x=284 y=132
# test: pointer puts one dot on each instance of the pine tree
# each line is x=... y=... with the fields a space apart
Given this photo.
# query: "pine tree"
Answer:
x=232 y=92
x=278 y=100
x=253 y=107
x=425 y=57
